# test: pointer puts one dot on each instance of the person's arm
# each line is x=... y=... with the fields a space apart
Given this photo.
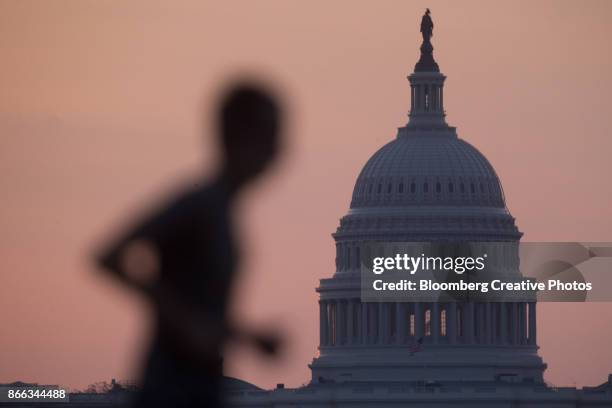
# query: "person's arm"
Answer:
x=135 y=257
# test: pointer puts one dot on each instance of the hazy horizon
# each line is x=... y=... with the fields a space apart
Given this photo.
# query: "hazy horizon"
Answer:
x=102 y=113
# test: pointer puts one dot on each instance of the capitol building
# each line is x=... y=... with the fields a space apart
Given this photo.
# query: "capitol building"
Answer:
x=426 y=185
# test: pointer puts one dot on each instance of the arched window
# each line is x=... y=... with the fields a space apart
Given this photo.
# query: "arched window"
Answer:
x=425 y=188
x=370 y=188
x=438 y=187
x=412 y=187
x=380 y=188
x=401 y=187
x=472 y=188
x=451 y=187
x=462 y=187
x=481 y=188
x=389 y=188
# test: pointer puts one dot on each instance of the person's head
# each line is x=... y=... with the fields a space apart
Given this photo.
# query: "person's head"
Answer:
x=249 y=121
x=427 y=11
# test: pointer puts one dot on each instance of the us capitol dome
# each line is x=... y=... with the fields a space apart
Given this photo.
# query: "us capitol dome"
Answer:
x=425 y=185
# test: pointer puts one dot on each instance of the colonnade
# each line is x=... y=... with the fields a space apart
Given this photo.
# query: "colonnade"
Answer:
x=427 y=97
x=348 y=322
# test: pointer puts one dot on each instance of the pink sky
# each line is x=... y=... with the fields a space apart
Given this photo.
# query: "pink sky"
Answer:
x=100 y=112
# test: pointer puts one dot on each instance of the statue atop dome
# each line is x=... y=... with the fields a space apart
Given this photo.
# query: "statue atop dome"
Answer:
x=426 y=62
x=427 y=26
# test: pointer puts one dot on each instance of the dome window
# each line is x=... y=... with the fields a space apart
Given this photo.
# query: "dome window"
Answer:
x=443 y=322
x=427 y=322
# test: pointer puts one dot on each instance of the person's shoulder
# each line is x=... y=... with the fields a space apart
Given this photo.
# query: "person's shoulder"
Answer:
x=201 y=199
x=196 y=196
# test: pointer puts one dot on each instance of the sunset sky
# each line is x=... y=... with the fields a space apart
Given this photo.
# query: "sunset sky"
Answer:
x=105 y=106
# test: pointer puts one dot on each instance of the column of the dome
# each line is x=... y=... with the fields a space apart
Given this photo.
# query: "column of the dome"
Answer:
x=380 y=323
x=477 y=326
x=418 y=320
x=484 y=325
x=345 y=327
x=350 y=321
x=364 y=323
x=433 y=98
x=386 y=315
x=518 y=323
x=525 y=323
x=469 y=320
x=532 y=324
x=508 y=322
x=522 y=324
x=503 y=324
x=488 y=320
x=494 y=323
x=493 y=329
x=357 y=317
x=435 y=322
x=513 y=323
x=340 y=322
x=337 y=322
x=335 y=329
x=330 y=322
x=323 y=324
x=400 y=323
x=451 y=322
x=477 y=323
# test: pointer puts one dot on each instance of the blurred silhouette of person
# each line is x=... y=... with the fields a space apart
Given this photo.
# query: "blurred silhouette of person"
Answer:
x=184 y=257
